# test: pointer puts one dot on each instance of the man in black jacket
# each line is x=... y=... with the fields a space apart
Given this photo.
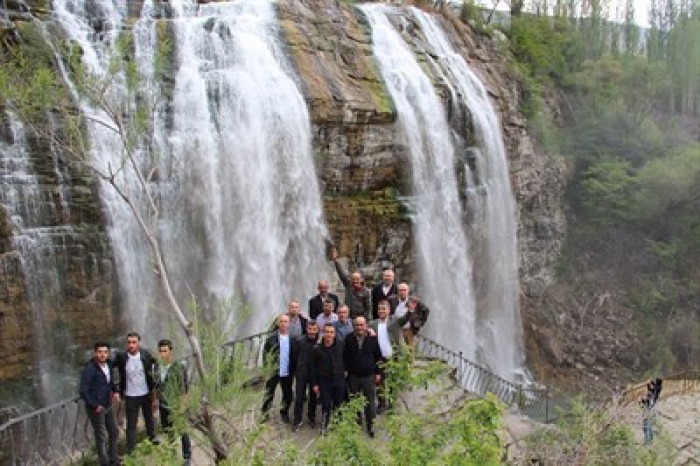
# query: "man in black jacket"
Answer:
x=136 y=387
x=328 y=373
x=383 y=291
x=357 y=296
x=316 y=303
x=301 y=360
x=278 y=354
x=171 y=382
x=98 y=390
x=362 y=357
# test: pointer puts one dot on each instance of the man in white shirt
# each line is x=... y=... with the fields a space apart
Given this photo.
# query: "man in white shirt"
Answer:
x=388 y=330
x=136 y=368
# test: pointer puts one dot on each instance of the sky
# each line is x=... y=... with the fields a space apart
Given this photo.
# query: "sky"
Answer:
x=641 y=8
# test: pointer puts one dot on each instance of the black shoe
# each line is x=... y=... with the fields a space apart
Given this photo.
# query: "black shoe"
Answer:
x=285 y=418
x=312 y=423
x=370 y=432
x=297 y=426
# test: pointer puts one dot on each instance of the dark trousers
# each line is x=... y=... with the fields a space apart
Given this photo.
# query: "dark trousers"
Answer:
x=303 y=385
x=133 y=404
x=287 y=395
x=332 y=393
x=365 y=385
x=167 y=425
x=106 y=431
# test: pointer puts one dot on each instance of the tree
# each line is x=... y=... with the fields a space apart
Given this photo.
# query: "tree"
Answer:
x=31 y=85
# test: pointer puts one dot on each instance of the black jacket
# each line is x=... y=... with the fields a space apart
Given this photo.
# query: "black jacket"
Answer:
x=94 y=388
x=419 y=317
x=149 y=367
x=301 y=356
x=378 y=295
x=316 y=305
x=271 y=352
x=362 y=361
x=327 y=362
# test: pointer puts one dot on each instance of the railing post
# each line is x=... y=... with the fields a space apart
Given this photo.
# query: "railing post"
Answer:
x=520 y=397
x=460 y=368
x=546 y=406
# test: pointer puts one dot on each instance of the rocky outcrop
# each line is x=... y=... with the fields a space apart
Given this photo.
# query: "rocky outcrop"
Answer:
x=363 y=172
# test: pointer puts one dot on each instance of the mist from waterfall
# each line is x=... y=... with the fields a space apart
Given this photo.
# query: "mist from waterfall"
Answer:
x=498 y=314
x=444 y=264
x=239 y=199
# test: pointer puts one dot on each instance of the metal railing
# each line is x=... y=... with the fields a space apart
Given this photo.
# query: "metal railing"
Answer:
x=675 y=384
x=61 y=433
x=537 y=403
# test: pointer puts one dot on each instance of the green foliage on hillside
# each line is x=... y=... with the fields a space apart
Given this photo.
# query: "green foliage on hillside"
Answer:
x=630 y=124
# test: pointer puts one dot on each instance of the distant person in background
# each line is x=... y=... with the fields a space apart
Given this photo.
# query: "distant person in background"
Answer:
x=137 y=387
x=297 y=322
x=278 y=353
x=357 y=297
x=383 y=291
x=316 y=303
x=171 y=383
x=343 y=326
x=98 y=390
x=327 y=316
x=301 y=360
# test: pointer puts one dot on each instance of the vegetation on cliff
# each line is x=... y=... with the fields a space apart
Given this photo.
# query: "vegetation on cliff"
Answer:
x=628 y=118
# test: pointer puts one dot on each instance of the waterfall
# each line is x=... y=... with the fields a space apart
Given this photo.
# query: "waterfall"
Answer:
x=236 y=187
x=478 y=314
x=445 y=270
x=45 y=246
x=498 y=313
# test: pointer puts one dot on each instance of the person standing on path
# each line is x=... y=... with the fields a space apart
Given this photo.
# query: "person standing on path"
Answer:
x=98 y=391
x=137 y=387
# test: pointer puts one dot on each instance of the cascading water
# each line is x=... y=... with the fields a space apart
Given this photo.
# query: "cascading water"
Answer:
x=448 y=245
x=438 y=218
x=44 y=246
x=240 y=204
x=498 y=313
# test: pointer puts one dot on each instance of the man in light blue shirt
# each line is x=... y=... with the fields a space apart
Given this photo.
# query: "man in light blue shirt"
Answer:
x=343 y=326
x=277 y=351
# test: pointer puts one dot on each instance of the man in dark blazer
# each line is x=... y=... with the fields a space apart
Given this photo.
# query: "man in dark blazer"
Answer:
x=98 y=389
x=383 y=291
x=316 y=303
x=301 y=360
x=362 y=357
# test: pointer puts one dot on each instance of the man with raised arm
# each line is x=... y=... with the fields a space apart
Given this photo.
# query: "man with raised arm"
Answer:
x=357 y=296
x=98 y=389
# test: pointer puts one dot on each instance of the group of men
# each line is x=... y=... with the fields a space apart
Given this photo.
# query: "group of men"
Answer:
x=142 y=382
x=340 y=350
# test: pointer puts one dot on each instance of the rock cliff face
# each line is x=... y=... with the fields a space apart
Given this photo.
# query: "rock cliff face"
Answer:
x=362 y=169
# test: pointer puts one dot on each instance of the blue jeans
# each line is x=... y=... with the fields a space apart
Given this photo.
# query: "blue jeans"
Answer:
x=648 y=431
